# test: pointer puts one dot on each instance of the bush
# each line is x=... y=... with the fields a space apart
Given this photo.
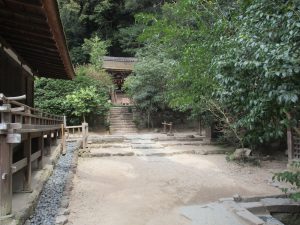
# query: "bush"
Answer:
x=291 y=177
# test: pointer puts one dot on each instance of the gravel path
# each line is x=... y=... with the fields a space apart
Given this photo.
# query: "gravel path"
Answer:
x=50 y=199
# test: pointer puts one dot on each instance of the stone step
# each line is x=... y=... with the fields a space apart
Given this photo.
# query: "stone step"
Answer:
x=180 y=143
x=123 y=129
x=174 y=138
x=146 y=146
x=120 y=120
x=122 y=125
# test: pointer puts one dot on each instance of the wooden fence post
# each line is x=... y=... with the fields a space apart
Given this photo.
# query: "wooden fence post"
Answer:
x=165 y=127
x=63 y=140
x=208 y=133
x=171 y=130
x=5 y=170
x=84 y=135
x=290 y=144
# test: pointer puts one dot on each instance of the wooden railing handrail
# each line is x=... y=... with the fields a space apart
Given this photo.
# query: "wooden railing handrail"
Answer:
x=28 y=108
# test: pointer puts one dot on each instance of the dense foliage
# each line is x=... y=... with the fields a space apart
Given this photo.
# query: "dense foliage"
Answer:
x=54 y=96
x=85 y=97
x=111 y=20
x=234 y=61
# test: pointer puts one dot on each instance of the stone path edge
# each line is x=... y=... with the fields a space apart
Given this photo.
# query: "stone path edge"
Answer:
x=62 y=217
x=20 y=217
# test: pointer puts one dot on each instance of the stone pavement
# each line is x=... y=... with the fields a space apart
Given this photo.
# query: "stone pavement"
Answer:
x=241 y=212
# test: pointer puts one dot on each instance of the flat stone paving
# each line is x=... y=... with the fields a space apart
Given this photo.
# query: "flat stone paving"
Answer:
x=154 y=190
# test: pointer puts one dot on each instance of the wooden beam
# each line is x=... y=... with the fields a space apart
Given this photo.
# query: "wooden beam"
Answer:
x=17 y=166
x=25 y=29
x=53 y=18
x=40 y=56
x=29 y=46
x=35 y=156
x=23 y=25
x=36 y=4
x=23 y=16
x=19 y=32
x=37 y=40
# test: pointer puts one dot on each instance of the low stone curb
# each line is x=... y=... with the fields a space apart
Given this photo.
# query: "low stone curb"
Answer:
x=64 y=211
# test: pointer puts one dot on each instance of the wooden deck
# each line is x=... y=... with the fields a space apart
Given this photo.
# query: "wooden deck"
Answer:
x=26 y=135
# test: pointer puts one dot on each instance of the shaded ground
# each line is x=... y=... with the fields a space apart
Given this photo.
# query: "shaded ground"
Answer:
x=150 y=190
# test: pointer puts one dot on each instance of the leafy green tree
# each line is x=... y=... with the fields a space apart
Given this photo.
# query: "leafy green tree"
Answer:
x=259 y=72
x=87 y=102
x=96 y=50
x=50 y=94
x=148 y=83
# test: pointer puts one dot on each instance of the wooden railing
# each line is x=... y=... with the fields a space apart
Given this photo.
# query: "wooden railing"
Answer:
x=22 y=125
x=74 y=133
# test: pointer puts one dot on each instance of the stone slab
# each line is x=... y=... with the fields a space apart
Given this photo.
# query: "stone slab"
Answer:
x=211 y=214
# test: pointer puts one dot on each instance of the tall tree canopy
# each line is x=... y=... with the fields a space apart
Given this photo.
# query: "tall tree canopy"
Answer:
x=237 y=61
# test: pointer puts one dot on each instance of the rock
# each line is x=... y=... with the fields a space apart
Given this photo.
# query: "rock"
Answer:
x=63 y=211
x=27 y=222
x=225 y=199
x=170 y=134
x=61 y=220
x=190 y=136
x=65 y=203
x=241 y=153
x=237 y=198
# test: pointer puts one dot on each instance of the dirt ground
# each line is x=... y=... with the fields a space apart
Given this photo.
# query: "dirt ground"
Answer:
x=150 y=190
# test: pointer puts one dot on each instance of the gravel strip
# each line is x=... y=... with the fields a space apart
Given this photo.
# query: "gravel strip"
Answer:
x=50 y=199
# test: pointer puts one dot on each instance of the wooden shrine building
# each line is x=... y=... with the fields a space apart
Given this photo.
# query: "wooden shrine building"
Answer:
x=32 y=43
x=119 y=68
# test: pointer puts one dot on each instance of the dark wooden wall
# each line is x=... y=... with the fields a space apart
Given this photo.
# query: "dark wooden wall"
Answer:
x=14 y=80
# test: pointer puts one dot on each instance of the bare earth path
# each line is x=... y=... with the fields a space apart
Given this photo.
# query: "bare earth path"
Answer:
x=144 y=190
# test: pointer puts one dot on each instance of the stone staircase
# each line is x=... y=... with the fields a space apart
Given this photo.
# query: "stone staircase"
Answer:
x=121 y=121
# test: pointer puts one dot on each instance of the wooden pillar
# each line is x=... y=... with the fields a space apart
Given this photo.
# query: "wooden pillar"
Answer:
x=27 y=169
x=55 y=138
x=6 y=177
x=290 y=144
x=5 y=170
x=41 y=148
x=48 y=144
